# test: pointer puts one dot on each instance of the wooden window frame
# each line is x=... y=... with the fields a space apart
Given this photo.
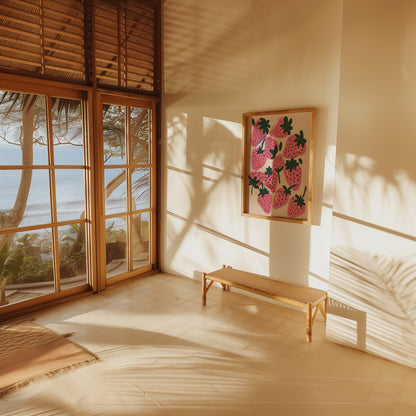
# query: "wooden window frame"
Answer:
x=126 y=100
x=88 y=90
x=53 y=89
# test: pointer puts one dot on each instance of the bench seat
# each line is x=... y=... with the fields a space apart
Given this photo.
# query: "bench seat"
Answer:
x=304 y=297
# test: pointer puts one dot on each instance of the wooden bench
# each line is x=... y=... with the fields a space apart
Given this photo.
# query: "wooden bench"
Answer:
x=305 y=297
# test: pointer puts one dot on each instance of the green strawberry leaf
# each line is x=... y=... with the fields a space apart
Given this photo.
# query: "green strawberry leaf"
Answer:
x=260 y=149
x=253 y=183
x=287 y=190
x=274 y=152
x=264 y=125
x=287 y=125
x=263 y=191
x=280 y=146
x=299 y=200
x=300 y=161
x=269 y=171
x=291 y=164
x=300 y=140
x=278 y=173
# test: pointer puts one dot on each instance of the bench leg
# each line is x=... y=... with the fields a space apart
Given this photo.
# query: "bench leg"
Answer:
x=204 y=289
x=323 y=310
x=309 y=323
x=225 y=287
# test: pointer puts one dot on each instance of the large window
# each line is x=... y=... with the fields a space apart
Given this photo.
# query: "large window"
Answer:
x=43 y=247
x=79 y=87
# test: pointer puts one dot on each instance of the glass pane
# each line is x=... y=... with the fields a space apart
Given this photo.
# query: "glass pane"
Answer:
x=67 y=131
x=139 y=135
x=140 y=239
x=70 y=197
x=38 y=209
x=9 y=180
x=140 y=182
x=23 y=139
x=24 y=198
x=115 y=191
x=72 y=255
x=114 y=135
x=116 y=243
x=26 y=265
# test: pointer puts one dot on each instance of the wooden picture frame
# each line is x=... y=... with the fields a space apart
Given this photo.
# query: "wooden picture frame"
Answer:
x=277 y=174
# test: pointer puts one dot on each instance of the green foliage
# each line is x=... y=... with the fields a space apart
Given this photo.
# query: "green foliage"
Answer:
x=34 y=271
x=111 y=233
x=4 y=253
x=22 y=262
x=72 y=257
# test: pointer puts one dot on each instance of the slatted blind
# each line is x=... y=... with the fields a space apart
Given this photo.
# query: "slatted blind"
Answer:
x=125 y=44
x=44 y=37
x=54 y=39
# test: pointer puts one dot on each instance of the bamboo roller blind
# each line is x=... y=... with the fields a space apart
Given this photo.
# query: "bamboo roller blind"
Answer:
x=125 y=43
x=48 y=38
x=43 y=37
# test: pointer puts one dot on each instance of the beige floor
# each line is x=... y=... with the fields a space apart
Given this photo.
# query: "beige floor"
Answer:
x=162 y=353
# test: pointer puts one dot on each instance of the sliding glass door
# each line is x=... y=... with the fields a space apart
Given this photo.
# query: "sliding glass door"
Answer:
x=128 y=203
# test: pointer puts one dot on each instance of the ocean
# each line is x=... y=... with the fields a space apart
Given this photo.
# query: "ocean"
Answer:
x=69 y=185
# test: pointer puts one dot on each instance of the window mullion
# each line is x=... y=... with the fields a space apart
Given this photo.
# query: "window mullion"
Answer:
x=52 y=191
x=129 y=192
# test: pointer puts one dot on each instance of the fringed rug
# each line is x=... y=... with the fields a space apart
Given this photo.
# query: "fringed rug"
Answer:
x=29 y=352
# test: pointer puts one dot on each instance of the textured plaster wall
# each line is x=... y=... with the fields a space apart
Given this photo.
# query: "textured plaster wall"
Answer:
x=354 y=61
x=373 y=250
x=221 y=59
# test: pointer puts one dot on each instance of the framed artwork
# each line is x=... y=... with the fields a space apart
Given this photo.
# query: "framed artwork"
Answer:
x=278 y=164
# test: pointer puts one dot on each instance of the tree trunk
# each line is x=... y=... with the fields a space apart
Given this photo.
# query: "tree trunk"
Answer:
x=3 y=300
x=27 y=159
x=15 y=217
x=137 y=242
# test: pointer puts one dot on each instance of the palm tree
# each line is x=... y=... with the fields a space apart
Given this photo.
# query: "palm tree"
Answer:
x=26 y=106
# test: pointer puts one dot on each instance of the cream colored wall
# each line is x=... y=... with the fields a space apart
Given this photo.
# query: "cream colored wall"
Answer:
x=221 y=59
x=373 y=262
x=355 y=62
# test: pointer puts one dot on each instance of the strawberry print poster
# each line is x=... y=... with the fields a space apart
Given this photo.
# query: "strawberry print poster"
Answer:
x=277 y=167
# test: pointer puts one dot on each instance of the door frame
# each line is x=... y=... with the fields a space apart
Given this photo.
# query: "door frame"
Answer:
x=106 y=97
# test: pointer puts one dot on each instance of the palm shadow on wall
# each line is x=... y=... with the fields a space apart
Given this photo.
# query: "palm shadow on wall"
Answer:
x=210 y=166
x=372 y=266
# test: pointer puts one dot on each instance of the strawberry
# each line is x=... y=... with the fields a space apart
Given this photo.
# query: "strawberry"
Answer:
x=295 y=146
x=261 y=176
x=281 y=196
x=264 y=199
x=256 y=176
x=260 y=128
x=270 y=179
x=293 y=173
x=270 y=147
x=296 y=205
x=278 y=165
x=282 y=128
x=258 y=157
